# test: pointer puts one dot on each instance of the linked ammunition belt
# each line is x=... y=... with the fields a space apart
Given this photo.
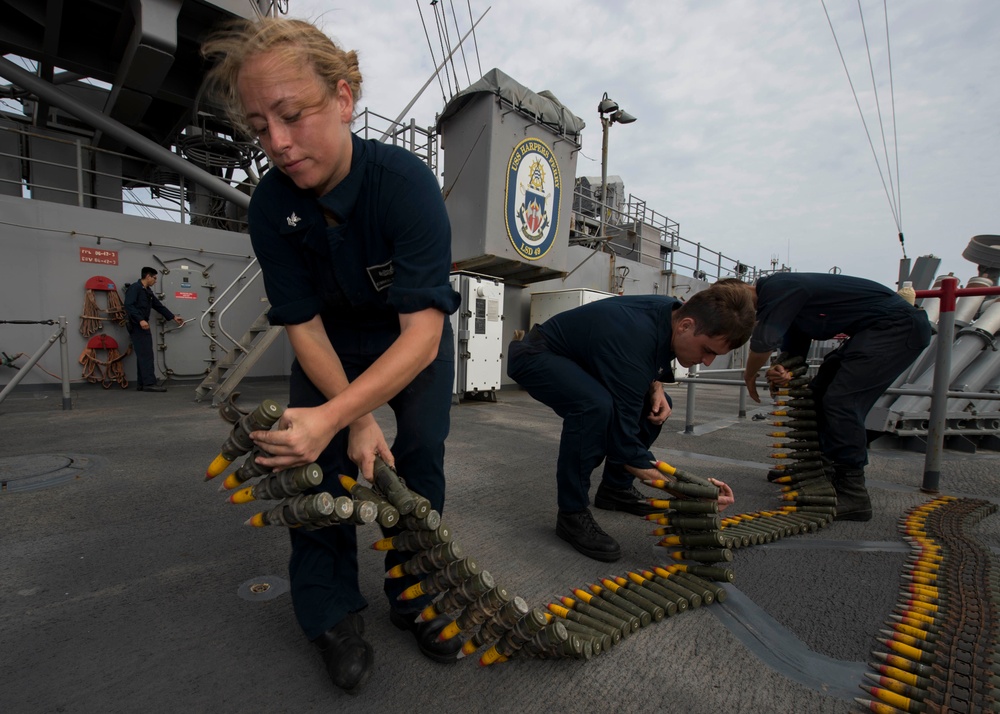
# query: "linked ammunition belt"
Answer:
x=485 y=614
x=941 y=646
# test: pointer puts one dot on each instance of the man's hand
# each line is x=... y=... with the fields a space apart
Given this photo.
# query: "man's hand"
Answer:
x=366 y=441
x=299 y=439
x=751 y=381
x=659 y=406
x=143 y=324
x=647 y=476
x=777 y=377
x=726 y=497
x=179 y=320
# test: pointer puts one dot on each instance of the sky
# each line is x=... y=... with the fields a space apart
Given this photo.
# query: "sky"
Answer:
x=748 y=134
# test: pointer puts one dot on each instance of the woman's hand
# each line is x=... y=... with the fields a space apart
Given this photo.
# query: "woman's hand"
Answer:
x=299 y=439
x=366 y=441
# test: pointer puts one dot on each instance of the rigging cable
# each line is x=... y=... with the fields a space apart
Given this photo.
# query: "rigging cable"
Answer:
x=475 y=42
x=444 y=52
x=458 y=33
x=878 y=165
x=431 y=48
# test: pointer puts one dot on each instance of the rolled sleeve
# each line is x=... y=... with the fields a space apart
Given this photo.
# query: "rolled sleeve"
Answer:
x=418 y=221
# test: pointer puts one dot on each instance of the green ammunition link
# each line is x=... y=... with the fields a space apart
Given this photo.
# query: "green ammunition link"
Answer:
x=422 y=506
x=393 y=488
x=388 y=515
x=680 y=603
x=611 y=631
x=478 y=610
x=709 y=572
x=412 y=541
x=655 y=611
x=595 y=613
x=671 y=584
x=707 y=588
x=704 y=555
x=708 y=539
x=601 y=604
x=466 y=592
x=433 y=558
x=250 y=468
x=671 y=605
x=291 y=482
x=548 y=638
x=504 y=619
x=525 y=628
x=645 y=617
x=796 y=424
x=598 y=641
x=450 y=576
x=365 y=512
x=429 y=522
x=300 y=509
x=692 y=523
x=691 y=490
x=685 y=506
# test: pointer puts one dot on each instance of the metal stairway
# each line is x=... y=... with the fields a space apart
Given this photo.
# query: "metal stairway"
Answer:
x=227 y=373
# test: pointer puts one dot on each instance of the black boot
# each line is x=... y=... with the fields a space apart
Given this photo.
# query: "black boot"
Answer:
x=853 y=503
x=348 y=657
x=426 y=634
x=629 y=500
x=581 y=531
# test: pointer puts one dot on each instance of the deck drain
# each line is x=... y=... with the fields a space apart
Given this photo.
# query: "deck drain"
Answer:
x=263 y=588
x=37 y=471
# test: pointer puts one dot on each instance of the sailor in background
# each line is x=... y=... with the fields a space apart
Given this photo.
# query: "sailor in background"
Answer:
x=601 y=367
x=139 y=304
x=355 y=246
x=886 y=335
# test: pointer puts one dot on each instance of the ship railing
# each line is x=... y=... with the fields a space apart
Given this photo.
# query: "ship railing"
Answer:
x=73 y=178
x=634 y=231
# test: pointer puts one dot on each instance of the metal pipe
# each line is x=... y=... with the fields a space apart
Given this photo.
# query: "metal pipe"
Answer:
x=942 y=375
x=689 y=409
x=23 y=372
x=117 y=130
x=961 y=352
x=67 y=402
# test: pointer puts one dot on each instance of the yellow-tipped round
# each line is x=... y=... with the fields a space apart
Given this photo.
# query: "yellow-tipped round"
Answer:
x=244 y=495
x=384 y=544
x=558 y=609
x=395 y=571
x=489 y=657
x=347 y=482
x=567 y=601
x=230 y=483
x=467 y=649
x=428 y=614
x=664 y=468
x=256 y=520
x=450 y=630
x=218 y=465
x=582 y=594
x=412 y=592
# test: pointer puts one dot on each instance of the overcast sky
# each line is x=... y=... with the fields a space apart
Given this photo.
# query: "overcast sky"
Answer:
x=748 y=134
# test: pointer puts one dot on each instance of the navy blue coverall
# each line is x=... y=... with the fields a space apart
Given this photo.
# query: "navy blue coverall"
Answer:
x=886 y=335
x=139 y=304
x=388 y=253
x=593 y=365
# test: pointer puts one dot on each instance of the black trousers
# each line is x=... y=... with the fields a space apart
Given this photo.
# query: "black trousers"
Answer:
x=324 y=564
x=587 y=409
x=142 y=345
x=853 y=377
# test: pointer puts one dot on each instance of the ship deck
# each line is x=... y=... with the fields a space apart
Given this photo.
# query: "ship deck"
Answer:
x=127 y=583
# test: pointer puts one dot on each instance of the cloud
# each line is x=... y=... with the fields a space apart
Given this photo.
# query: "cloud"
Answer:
x=748 y=134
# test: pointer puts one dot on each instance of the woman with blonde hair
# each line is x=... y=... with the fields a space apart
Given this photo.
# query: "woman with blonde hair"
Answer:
x=355 y=246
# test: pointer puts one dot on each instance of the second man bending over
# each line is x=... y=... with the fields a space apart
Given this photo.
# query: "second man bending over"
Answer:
x=601 y=367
